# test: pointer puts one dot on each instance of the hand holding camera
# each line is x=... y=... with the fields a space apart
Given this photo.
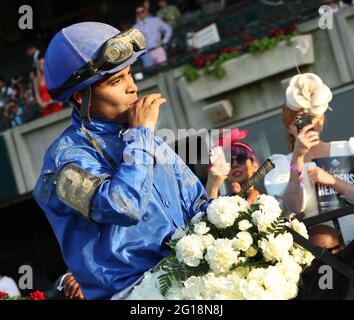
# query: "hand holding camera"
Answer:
x=307 y=137
x=302 y=121
x=219 y=167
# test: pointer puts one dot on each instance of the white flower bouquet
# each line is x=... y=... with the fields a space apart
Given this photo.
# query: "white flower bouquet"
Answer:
x=234 y=251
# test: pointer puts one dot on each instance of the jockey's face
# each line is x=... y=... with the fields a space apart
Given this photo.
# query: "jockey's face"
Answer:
x=113 y=96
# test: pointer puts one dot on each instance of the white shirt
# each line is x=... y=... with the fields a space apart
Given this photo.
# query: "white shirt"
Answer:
x=9 y=286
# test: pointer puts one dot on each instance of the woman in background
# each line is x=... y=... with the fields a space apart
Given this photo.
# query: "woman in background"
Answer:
x=48 y=106
x=295 y=174
x=243 y=165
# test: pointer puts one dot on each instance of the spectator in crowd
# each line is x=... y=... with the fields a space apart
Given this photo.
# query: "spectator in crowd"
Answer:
x=147 y=6
x=9 y=286
x=17 y=102
x=48 y=106
x=2 y=91
x=157 y=34
x=243 y=165
x=35 y=54
x=25 y=99
x=6 y=92
x=337 y=5
x=295 y=175
x=12 y=112
x=6 y=95
x=168 y=13
x=325 y=236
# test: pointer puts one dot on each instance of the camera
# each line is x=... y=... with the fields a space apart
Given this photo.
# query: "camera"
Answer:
x=302 y=121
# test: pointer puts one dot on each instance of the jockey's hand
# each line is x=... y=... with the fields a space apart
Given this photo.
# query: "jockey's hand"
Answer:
x=145 y=111
x=72 y=289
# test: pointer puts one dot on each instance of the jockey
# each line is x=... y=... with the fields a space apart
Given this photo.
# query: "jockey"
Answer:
x=111 y=200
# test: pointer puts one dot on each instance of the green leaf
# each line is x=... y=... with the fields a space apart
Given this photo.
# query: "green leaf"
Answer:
x=165 y=283
x=177 y=271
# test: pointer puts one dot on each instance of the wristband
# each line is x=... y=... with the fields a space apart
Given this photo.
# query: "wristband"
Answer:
x=299 y=173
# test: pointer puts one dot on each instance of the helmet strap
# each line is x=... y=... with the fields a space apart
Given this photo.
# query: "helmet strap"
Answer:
x=85 y=105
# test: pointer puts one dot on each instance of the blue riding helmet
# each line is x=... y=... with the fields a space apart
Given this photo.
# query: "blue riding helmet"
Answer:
x=74 y=48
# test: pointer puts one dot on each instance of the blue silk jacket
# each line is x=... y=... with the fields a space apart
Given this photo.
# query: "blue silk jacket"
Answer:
x=133 y=211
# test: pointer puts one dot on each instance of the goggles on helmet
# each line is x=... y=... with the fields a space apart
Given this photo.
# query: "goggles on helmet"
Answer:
x=112 y=53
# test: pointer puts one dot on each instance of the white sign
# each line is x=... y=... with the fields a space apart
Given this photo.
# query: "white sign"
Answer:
x=206 y=36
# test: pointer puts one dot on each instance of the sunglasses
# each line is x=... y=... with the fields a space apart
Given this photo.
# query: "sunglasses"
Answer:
x=112 y=53
x=240 y=159
x=332 y=249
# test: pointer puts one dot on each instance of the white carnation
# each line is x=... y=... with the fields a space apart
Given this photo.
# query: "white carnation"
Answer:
x=193 y=289
x=268 y=204
x=275 y=248
x=208 y=240
x=190 y=249
x=291 y=270
x=221 y=256
x=263 y=220
x=201 y=228
x=241 y=204
x=223 y=211
x=276 y=282
x=268 y=212
x=301 y=256
x=148 y=288
x=222 y=287
x=268 y=284
x=299 y=227
x=252 y=287
x=244 y=225
x=243 y=241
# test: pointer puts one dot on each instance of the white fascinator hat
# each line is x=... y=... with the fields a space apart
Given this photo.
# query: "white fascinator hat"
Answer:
x=308 y=92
